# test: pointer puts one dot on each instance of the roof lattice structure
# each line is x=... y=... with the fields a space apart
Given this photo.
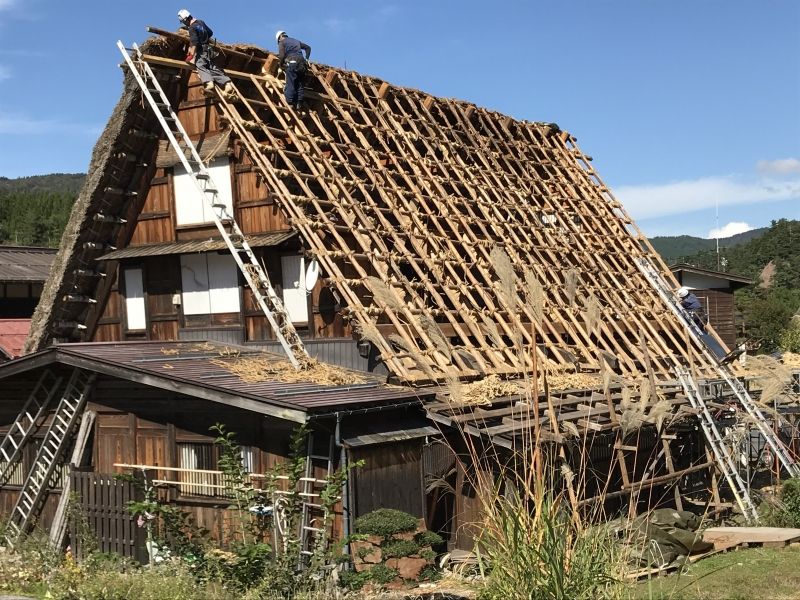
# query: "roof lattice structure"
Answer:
x=458 y=238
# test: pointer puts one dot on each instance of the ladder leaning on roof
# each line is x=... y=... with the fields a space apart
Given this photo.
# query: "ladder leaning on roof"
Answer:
x=725 y=374
x=26 y=423
x=725 y=461
x=49 y=456
x=253 y=272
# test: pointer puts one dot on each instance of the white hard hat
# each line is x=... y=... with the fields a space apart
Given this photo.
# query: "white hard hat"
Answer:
x=183 y=14
x=278 y=35
x=683 y=292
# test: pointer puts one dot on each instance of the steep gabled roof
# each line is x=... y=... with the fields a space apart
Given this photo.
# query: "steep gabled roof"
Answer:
x=458 y=238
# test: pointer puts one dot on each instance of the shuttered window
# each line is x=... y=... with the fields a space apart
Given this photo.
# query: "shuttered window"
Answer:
x=134 y=299
x=210 y=284
x=190 y=206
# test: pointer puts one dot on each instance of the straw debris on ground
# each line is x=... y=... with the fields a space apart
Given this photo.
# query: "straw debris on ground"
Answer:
x=256 y=369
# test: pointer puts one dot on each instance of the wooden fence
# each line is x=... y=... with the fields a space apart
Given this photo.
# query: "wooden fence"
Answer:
x=102 y=501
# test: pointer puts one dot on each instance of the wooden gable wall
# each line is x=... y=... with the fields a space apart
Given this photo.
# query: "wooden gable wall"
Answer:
x=256 y=212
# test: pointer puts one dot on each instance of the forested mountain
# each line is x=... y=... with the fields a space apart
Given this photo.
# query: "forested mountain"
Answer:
x=676 y=248
x=34 y=210
x=769 y=304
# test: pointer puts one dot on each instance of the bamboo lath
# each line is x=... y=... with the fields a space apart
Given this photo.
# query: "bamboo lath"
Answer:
x=404 y=198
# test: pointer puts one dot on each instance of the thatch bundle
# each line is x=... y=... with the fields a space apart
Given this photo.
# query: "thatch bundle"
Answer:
x=256 y=369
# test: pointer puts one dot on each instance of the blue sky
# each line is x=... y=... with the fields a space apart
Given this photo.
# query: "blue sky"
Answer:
x=687 y=106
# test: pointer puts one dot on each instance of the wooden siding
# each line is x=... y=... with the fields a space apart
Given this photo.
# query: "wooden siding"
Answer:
x=390 y=478
x=721 y=313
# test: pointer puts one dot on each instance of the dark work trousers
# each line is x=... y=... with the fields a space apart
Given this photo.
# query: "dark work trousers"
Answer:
x=295 y=75
x=207 y=70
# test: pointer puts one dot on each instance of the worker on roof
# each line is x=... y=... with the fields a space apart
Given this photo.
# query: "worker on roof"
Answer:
x=692 y=305
x=202 y=55
x=295 y=65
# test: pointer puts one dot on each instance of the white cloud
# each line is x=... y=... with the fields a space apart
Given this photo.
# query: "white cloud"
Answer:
x=783 y=166
x=649 y=201
x=6 y=4
x=336 y=25
x=19 y=124
x=387 y=12
x=728 y=230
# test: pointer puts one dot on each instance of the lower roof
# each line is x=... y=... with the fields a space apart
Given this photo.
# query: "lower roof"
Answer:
x=12 y=336
x=208 y=245
x=198 y=369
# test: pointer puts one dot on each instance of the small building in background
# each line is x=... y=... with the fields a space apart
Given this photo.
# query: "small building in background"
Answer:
x=23 y=271
x=715 y=290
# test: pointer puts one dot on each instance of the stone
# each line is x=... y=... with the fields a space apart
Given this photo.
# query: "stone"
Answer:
x=362 y=566
x=392 y=563
x=410 y=568
x=372 y=554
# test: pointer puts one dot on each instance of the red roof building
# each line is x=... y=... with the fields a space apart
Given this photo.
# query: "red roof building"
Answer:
x=12 y=337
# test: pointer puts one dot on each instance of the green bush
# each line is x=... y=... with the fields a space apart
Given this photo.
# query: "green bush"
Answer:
x=428 y=538
x=790 y=338
x=385 y=522
x=353 y=580
x=430 y=573
x=399 y=548
x=382 y=574
x=790 y=501
x=428 y=555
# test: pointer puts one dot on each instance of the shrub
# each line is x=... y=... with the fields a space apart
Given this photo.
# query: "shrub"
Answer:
x=353 y=580
x=785 y=512
x=385 y=522
x=382 y=574
x=399 y=548
x=790 y=338
x=430 y=573
x=428 y=538
x=428 y=555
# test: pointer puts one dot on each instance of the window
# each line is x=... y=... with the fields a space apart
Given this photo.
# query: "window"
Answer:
x=134 y=299
x=294 y=288
x=198 y=457
x=203 y=477
x=210 y=284
x=190 y=206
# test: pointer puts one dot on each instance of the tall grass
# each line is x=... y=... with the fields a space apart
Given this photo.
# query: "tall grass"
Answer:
x=532 y=546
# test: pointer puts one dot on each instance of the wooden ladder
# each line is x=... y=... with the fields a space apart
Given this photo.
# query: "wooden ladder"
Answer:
x=255 y=275
x=314 y=516
x=27 y=422
x=56 y=440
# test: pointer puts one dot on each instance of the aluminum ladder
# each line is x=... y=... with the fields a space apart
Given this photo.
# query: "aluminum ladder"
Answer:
x=314 y=515
x=725 y=374
x=27 y=422
x=721 y=453
x=254 y=273
x=56 y=440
